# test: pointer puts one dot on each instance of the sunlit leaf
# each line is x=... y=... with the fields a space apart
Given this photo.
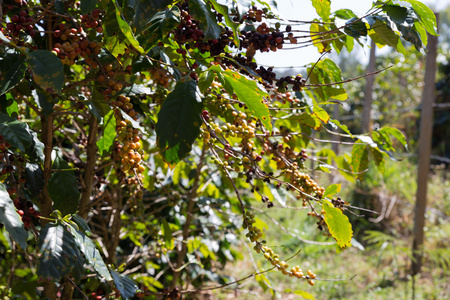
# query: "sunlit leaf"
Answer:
x=332 y=190
x=323 y=8
x=109 y=133
x=338 y=224
x=360 y=159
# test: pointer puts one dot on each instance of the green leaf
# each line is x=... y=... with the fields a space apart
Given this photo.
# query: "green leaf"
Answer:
x=360 y=159
x=205 y=80
x=179 y=121
x=320 y=113
x=114 y=45
x=355 y=27
x=167 y=232
x=395 y=133
x=378 y=158
x=344 y=14
x=327 y=72
x=59 y=252
x=426 y=16
x=86 y=6
x=342 y=126
x=145 y=10
x=92 y=255
x=382 y=35
x=43 y=101
x=109 y=133
x=82 y=224
x=310 y=120
x=126 y=29
x=20 y=136
x=338 y=224
x=345 y=167
x=34 y=177
x=160 y=26
x=11 y=219
x=63 y=187
x=322 y=8
x=47 y=70
x=332 y=190
x=248 y=92
x=202 y=12
x=125 y=285
x=304 y=294
x=14 y=75
x=223 y=10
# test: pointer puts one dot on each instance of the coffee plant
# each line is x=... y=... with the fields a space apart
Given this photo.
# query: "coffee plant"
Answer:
x=139 y=140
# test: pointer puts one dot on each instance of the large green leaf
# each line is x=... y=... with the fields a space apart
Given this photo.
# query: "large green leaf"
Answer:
x=360 y=159
x=202 y=12
x=145 y=10
x=34 y=178
x=90 y=252
x=327 y=72
x=63 y=187
x=310 y=120
x=125 y=285
x=383 y=35
x=323 y=8
x=338 y=224
x=109 y=133
x=14 y=75
x=355 y=28
x=20 y=136
x=47 y=70
x=11 y=219
x=425 y=14
x=179 y=121
x=378 y=158
x=160 y=26
x=395 y=133
x=59 y=252
x=86 y=6
x=126 y=29
x=248 y=92
x=223 y=10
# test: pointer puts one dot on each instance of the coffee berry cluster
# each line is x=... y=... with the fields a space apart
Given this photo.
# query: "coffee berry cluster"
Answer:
x=22 y=22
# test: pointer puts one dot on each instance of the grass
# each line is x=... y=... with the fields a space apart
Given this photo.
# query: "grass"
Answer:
x=381 y=267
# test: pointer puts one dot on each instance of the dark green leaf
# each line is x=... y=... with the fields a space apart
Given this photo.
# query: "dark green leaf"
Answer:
x=345 y=168
x=223 y=9
x=90 y=252
x=145 y=10
x=11 y=219
x=47 y=70
x=34 y=177
x=338 y=224
x=202 y=12
x=43 y=101
x=21 y=137
x=59 y=252
x=360 y=159
x=383 y=35
x=59 y=7
x=82 y=224
x=125 y=285
x=179 y=121
x=14 y=75
x=109 y=133
x=322 y=8
x=63 y=187
x=160 y=26
x=86 y=6
x=355 y=28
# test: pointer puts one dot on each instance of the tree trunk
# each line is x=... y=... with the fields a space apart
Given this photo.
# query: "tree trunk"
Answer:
x=426 y=130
